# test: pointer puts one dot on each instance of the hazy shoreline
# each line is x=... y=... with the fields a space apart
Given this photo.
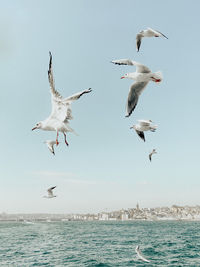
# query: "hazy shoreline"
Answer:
x=173 y=213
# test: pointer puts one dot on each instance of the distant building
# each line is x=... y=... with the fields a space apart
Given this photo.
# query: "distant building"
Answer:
x=124 y=217
x=103 y=217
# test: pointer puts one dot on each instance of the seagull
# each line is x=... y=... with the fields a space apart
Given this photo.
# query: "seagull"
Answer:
x=152 y=152
x=142 y=76
x=50 y=192
x=61 y=109
x=50 y=144
x=147 y=33
x=139 y=254
x=143 y=125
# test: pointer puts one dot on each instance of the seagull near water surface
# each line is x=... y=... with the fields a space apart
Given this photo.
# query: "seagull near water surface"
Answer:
x=142 y=76
x=143 y=125
x=61 y=113
x=147 y=33
x=139 y=254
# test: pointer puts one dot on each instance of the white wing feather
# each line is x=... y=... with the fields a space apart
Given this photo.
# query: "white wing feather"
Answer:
x=61 y=108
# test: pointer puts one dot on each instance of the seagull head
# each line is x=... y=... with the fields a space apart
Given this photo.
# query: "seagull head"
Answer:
x=38 y=126
x=132 y=127
x=125 y=76
x=129 y=76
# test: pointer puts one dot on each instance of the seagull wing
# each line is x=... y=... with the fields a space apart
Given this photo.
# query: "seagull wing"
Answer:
x=138 y=41
x=144 y=122
x=133 y=96
x=157 y=32
x=162 y=34
x=61 y=108
x=50 y=191
x=141 y=135
x=139 y=67
x=150 y=156
x=76 y=96
x=58 y=109
x=123 y=62
x=54 y=93
x=139 y=254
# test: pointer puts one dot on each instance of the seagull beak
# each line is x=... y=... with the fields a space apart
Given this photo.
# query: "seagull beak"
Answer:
x=122 y=77
x=34 y=128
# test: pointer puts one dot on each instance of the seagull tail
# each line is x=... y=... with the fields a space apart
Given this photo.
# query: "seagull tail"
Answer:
x=75 y=133
x=158 y=76
x=72 y=130
x=153 y=128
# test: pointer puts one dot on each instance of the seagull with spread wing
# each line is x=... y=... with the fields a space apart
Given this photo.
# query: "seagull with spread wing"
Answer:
x=142 y=76
x=50 y=192
x=147 y=33
x=151 y=153
x=61 y=109
x=142 y=126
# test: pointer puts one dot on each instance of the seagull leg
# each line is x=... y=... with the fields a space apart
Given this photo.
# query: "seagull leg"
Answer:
x=65 y=139
x=57 y=139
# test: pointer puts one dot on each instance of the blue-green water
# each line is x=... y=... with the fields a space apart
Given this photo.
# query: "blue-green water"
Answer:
x=99 y=243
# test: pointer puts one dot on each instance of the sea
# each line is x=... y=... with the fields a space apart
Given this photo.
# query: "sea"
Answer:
x=99 y=243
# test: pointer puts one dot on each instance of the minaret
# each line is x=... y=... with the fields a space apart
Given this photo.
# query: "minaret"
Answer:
x=137 y=206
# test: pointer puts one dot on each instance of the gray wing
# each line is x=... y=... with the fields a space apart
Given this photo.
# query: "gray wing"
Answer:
x=77 y=95
x=141 y=135
x=155 y=31
x=54 y=92
x=139 y=67
x=150 y=156
x=133 y=96
x=138 y=41
x=162 y=34
x=123 y=62
x=144 y=122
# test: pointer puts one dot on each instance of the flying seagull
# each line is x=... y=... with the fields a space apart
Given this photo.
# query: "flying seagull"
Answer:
x=147 y=33
x=152 y=152
x=50 y=144
x=61 y=109
x=142 y=76
x=50 y=192
x=142 y=126
x=139 y=254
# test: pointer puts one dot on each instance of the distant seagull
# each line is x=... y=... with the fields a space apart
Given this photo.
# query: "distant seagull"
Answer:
x=50 y=193
x=147 y=33
x=139 y=254
x=142 y=76
x=50 y=144
x=61 y=109
x=152 y=152
x=142 y=126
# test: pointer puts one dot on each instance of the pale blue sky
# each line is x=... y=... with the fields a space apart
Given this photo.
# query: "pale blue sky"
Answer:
x=107 y=165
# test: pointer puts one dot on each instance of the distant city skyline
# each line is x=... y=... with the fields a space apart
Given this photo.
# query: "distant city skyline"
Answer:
x=107 y=164
x=174 y=212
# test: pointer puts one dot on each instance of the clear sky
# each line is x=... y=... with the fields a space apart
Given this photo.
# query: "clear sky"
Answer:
x=106 y=166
